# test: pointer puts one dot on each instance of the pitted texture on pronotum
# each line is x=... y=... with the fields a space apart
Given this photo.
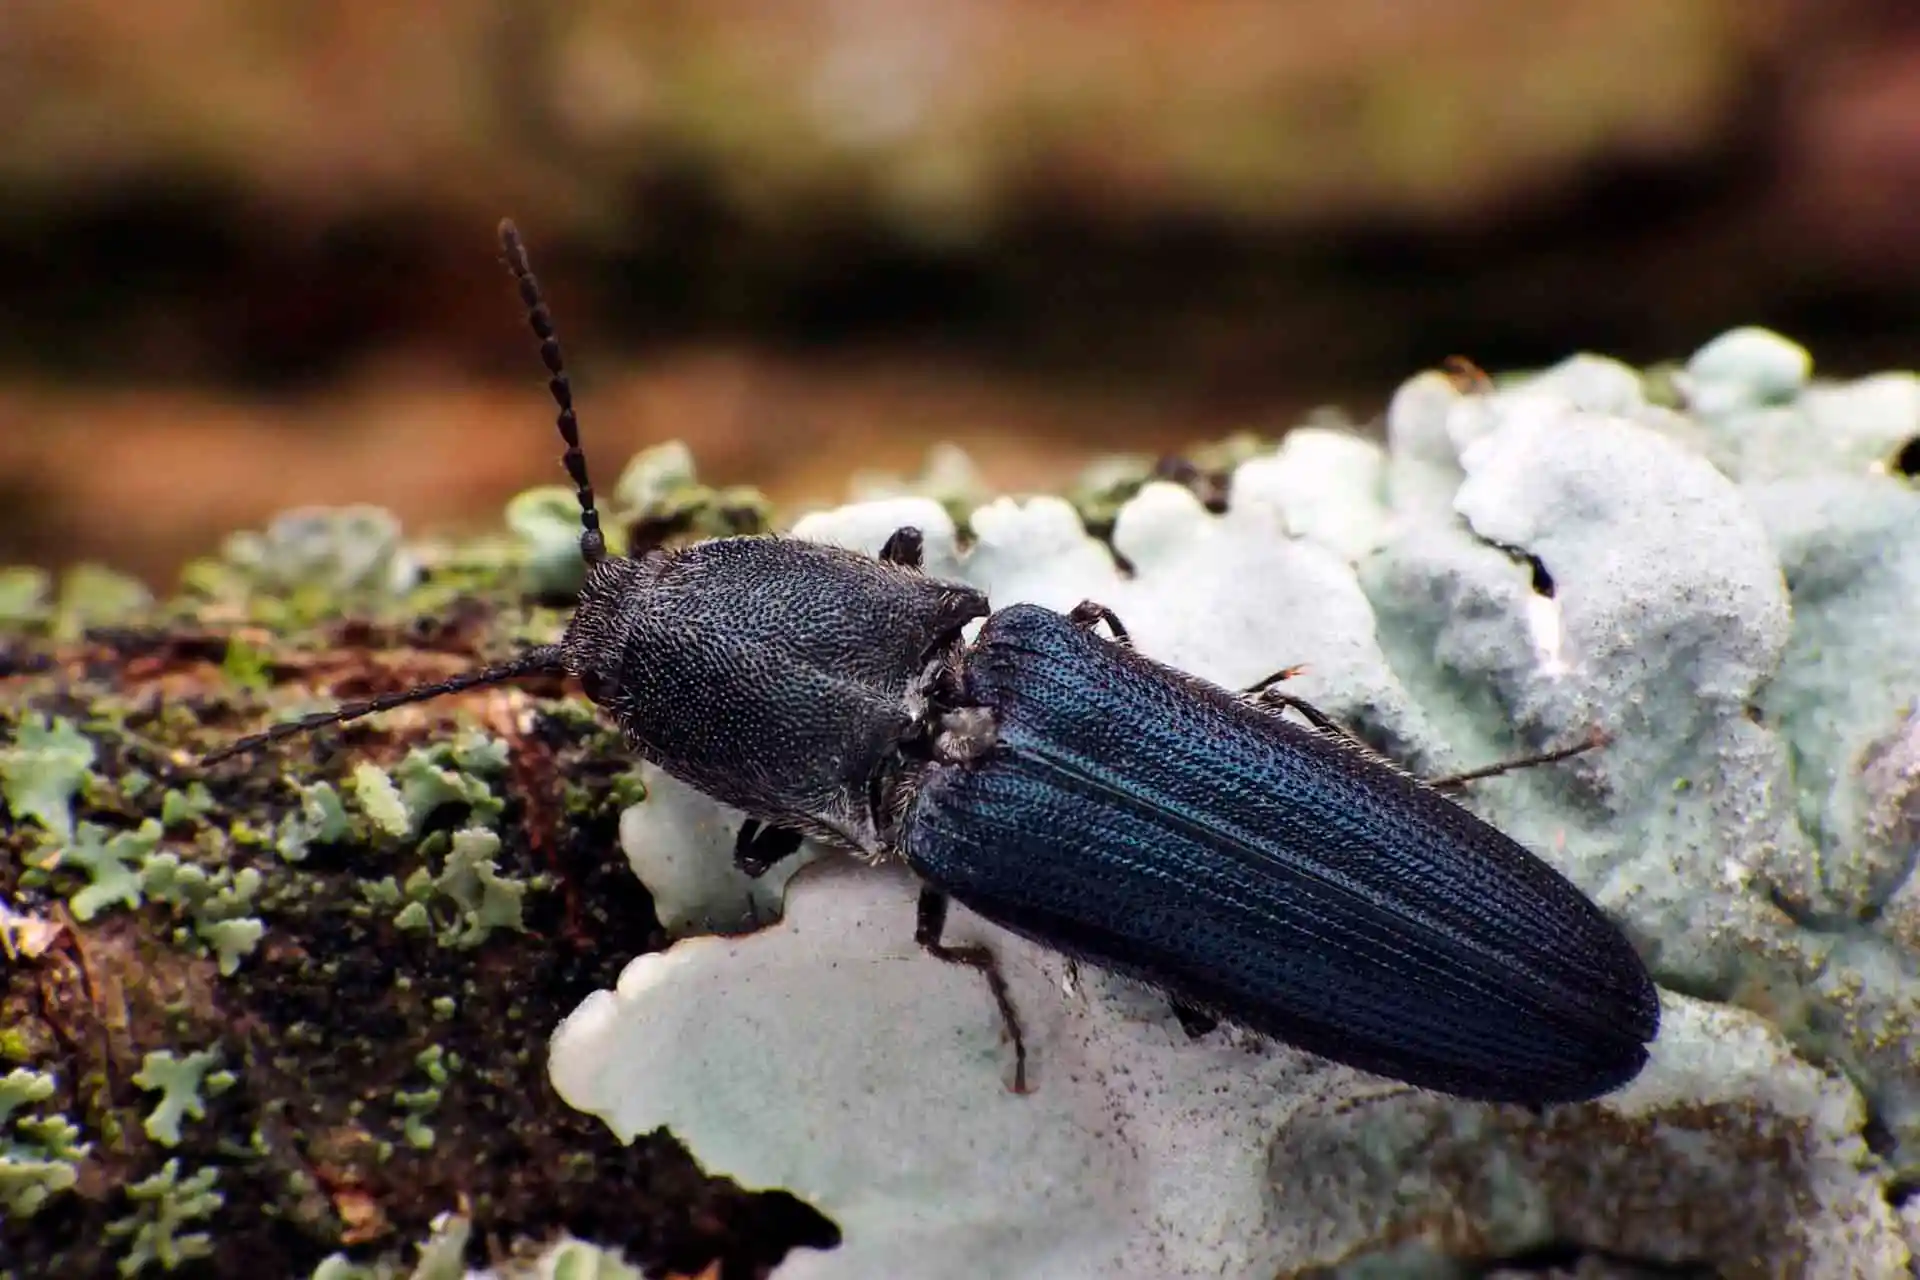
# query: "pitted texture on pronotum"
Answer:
x=1141 y=819
x=772 y=674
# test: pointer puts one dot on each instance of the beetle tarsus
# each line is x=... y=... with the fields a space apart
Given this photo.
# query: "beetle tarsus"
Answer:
x=931 y=924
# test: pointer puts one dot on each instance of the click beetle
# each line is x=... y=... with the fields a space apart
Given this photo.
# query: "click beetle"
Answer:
x=1270 y=874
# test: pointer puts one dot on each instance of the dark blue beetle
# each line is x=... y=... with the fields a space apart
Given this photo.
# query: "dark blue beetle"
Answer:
x=1275 y=875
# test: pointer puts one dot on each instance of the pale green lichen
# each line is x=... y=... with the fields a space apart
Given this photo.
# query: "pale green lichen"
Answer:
x=322 y=819
x=326 y=551
x=92 y=595
x=487 y=899
x=444 y=1255
x=579 y=1260
x=113 y=865
x=178 y=808
x=39 y=1154
x=413 y=918
x=231 y=940
x=212 y=904
x=655 y=479
x=42 y=772
x=162 y=1205
x=418 y=1104
x=338 y=1266
x=546 y=523
x=380 y=800
x=179 y=1081
x=23 y=593
x=444 y=774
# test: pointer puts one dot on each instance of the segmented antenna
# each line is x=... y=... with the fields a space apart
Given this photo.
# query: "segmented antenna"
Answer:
x=593 y=546
x=543 y=660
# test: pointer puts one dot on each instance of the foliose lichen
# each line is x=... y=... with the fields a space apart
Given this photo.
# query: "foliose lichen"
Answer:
x=40 y=1154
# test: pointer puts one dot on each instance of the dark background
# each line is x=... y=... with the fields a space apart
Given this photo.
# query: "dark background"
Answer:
x=249 y=253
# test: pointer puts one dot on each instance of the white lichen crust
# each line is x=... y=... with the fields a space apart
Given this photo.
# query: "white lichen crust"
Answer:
x=1729 y=589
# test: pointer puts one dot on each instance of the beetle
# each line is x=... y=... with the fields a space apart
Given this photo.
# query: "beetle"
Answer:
x=1275 y=875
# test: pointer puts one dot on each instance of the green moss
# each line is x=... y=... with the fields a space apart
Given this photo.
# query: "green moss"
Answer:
x=178 y=1081
x=23 y=594
x=162 y=1205
x=15 y=1045
x=247 y=667
x=42 y=772
x=627 y=790
x=39 y=1154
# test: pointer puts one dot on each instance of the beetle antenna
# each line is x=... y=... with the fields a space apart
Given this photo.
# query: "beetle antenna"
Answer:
x=542 y=660
x=593 y=545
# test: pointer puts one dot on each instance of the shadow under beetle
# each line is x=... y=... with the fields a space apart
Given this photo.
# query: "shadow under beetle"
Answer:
x=1275 y=875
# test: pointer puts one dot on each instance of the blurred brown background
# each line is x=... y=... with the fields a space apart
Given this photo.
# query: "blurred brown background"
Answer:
x=249 y=256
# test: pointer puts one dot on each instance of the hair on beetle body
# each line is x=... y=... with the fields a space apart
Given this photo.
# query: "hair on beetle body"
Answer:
x=1276 y=876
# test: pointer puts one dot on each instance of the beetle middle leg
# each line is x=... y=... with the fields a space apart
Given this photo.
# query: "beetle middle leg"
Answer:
x=757 y=848
x=905 y=545
x=931 y=923
x=1088 y=612
x=1596 y=737
x=1267 y=694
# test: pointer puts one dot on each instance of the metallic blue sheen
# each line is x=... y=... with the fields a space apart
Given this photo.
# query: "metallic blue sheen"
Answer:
x=1146 y=821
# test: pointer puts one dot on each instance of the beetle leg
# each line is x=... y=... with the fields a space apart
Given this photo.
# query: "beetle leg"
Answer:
x=904 y=546
x=1088 y=612
x=758 y=847
x=932 y=921
x=1196 y=1022
x=1265 y=694
x=1596 y=738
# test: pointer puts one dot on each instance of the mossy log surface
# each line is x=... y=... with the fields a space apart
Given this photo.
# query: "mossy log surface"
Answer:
x=266 y=970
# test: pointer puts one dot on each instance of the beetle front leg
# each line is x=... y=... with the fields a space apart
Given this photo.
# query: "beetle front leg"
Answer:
x=932 y=922
x=757 y=848
x=906 y=546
